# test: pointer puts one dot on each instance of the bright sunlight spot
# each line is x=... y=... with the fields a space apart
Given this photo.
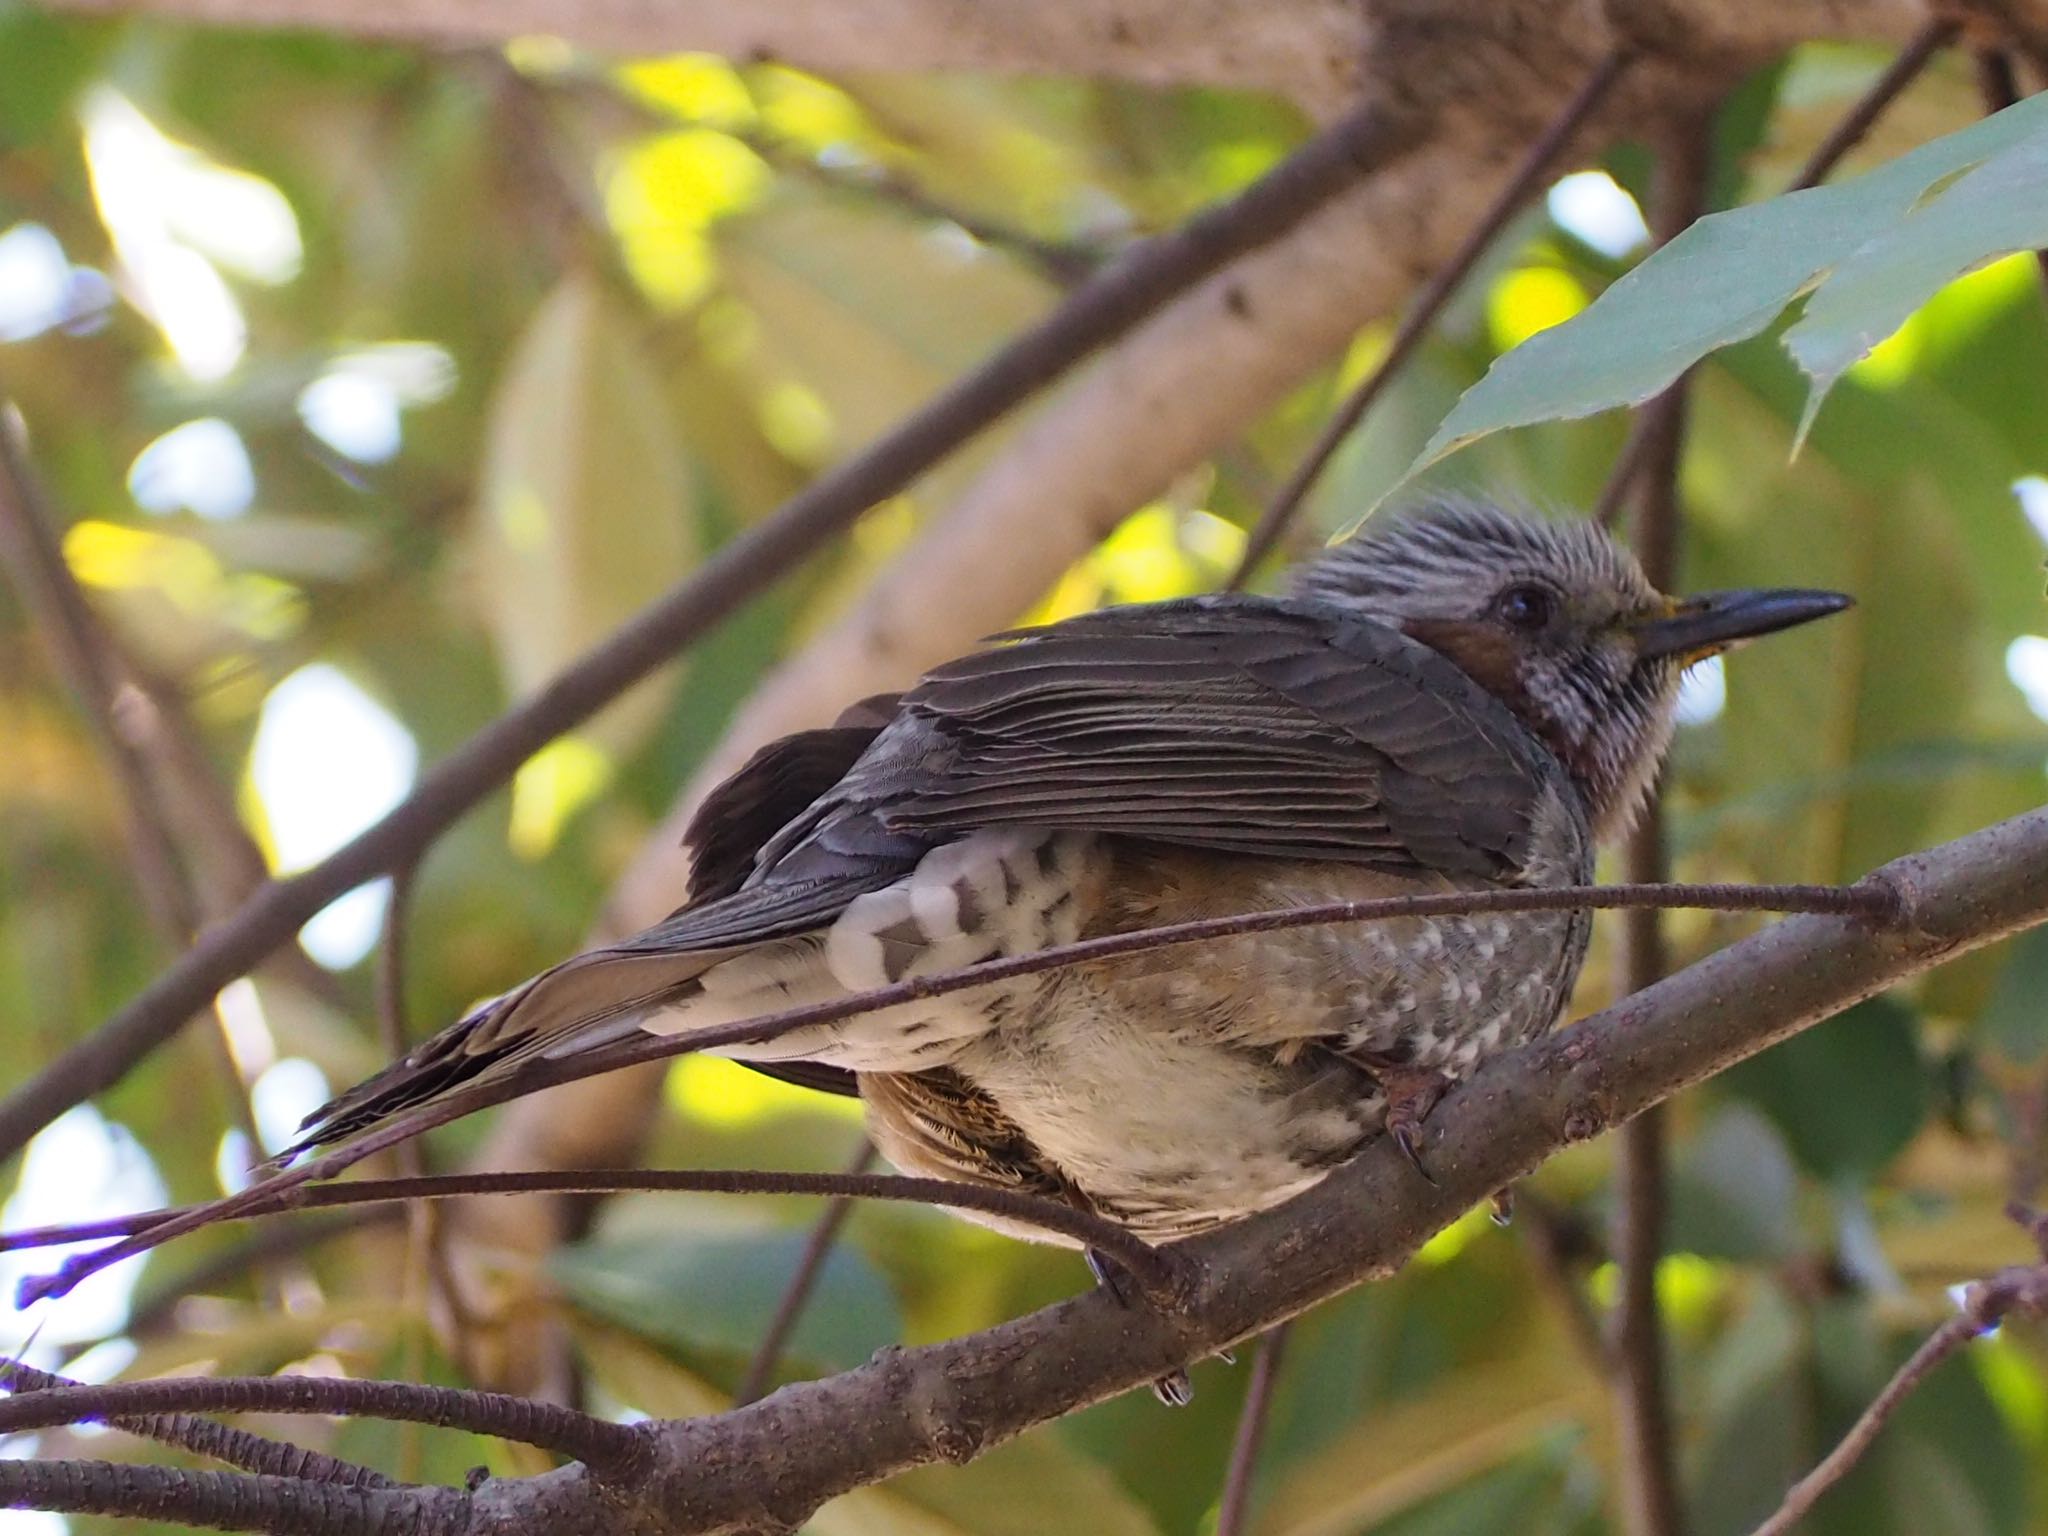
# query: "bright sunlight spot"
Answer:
x=328 y=761
x=1688 y=1287
x=2026 y=663
x=1531 y=300
x=284 y=1096
x=549 y=788
x=1592 y=206
x=81 y=1167
x=1703 y=692
x=2032 y=491
x=727 y=1096
x=354 y=406
x=355 y=416
x=1454 y=1239
x=176 y=217
x=35 y=282
x=200 y=467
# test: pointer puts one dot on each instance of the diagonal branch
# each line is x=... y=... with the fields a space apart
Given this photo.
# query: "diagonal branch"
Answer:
x=809 y=1265
x=2023 y=1289
x=1538 y=162
x=1871 y=900
x=953 y=1401
x=1096 y=312
x=1081 y=1228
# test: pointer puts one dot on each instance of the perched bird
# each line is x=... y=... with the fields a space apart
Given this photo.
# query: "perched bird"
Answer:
x=1455 y=699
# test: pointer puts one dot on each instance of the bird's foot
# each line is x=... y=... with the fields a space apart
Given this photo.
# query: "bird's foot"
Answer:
x=1173 y=1389
x=1411 y=1093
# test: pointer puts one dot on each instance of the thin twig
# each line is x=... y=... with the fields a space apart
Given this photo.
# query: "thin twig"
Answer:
x=802 y=1283
x=1874 y=901
x=1554 y=1239
x=1155 y=1272
x=78 y=649
x=2013 y=1290
x=203 y=1437
x=593 y=1441
x=1252 y=1418
x=100 y=676
x=1428 y=304
x=1650 y=1503
x=1105 y=307
x=1936 y=35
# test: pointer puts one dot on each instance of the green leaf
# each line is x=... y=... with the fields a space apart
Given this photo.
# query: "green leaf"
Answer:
x=1733 y=1189
x=1991 y=211
x=1848 y=1094
x=1720 y=281
x=583 y=515
x=717 y=1291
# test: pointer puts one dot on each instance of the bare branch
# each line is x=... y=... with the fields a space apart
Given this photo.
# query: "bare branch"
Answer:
x=596 y=1442
x=1936 y=35
x=1538 y=163
x=203 y=1437
x=2013 y=1290
x=1235 y=1506
x=1152 y=1269
x=229 y=1501
x=1308 y=51
x=1094 y=313
x=809 y=1265
x=1872 y=900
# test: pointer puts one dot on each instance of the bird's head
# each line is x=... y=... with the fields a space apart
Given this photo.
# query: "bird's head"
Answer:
x=1557 y=621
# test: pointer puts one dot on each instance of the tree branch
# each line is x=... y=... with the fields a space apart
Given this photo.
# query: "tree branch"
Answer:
x=1932 y=37
x=2023 y=1289
x=596 y=1442
x=809 y=1265
x=1083 y=1229
x=1097 y=311
x=1869 y=900
x=1235 y=1506
x=1444 y=282
x=203 y=1437
x=952 y=1401
x=229 y=1501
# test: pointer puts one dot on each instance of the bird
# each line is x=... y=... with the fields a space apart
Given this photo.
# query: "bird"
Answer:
x=1458 y=697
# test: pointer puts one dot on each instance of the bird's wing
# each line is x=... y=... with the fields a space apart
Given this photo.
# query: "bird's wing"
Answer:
x=574 y=1000
x=1246 y=725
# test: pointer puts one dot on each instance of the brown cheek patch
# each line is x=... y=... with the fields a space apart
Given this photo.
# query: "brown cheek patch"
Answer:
x=1487 y=656
x=1481 y=652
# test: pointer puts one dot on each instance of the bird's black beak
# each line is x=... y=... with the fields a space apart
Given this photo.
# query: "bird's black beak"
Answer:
x=1702 y=626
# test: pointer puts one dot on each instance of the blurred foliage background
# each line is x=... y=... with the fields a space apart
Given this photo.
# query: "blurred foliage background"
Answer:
x=369 y=385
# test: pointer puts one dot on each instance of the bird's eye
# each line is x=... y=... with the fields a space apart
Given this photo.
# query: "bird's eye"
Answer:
x=1526 y=607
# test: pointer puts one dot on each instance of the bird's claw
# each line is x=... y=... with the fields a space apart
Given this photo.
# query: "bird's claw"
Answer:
x=1174 y=1389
